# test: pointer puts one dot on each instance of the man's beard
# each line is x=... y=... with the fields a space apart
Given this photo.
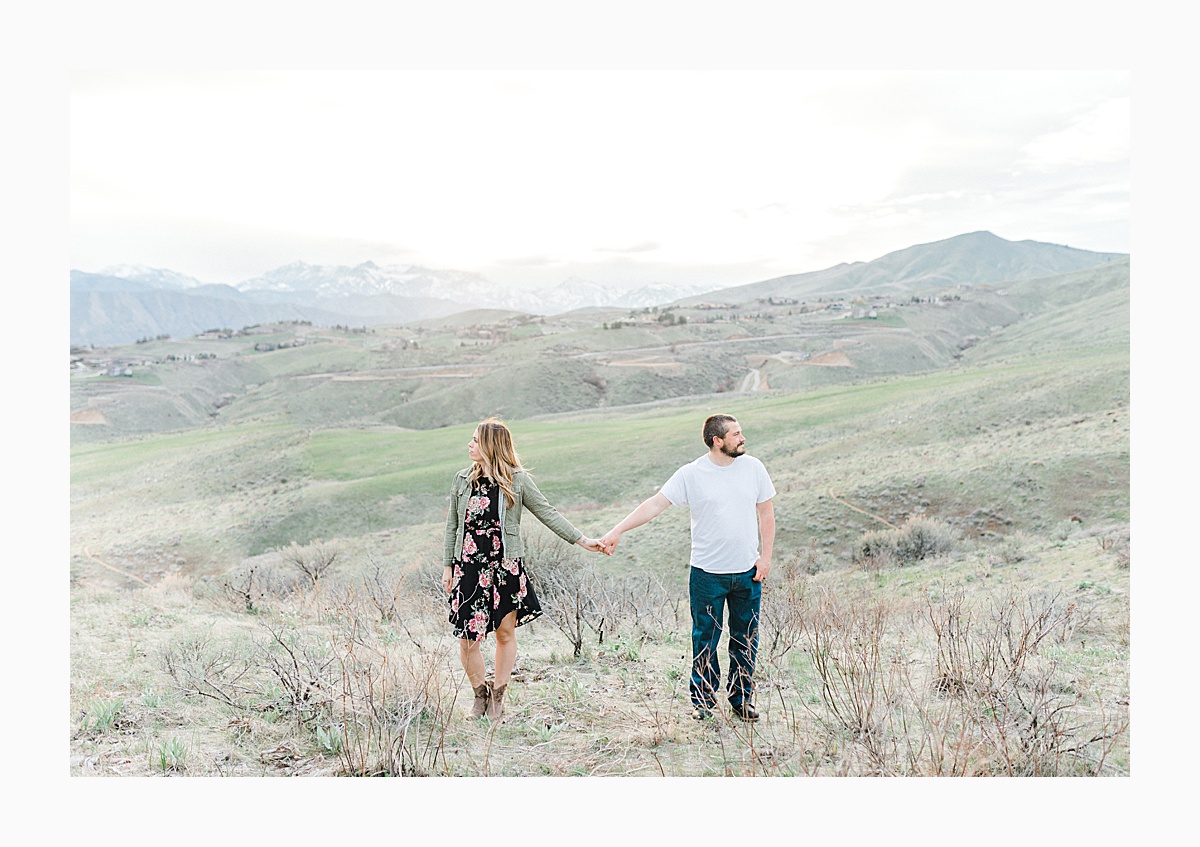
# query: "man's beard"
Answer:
x=735 y=452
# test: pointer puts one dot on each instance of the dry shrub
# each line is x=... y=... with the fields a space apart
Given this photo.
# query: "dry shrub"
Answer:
x=990 y=661
x=781 y=615
x=383 y=587
x=390 y=710
x=1008 y=550
x=845 y=638
x=299 y=668
x=252 y=585
x=312 y=562
x=988 y=702
x=1115 y=540
x=986 y=653
x=579 y=599
x=919 y=538
x=377 y=704
x=940 y=736
x=377 y=590
x=568 y=589
x=644 y=603
x=203 y=666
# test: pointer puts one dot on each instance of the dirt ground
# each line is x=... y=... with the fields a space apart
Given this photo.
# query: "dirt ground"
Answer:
x=89 y=416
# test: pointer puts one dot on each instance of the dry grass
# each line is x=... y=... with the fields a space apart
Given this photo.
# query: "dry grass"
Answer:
x=1001 y=658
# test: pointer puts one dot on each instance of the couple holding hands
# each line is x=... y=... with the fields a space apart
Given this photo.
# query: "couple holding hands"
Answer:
x=729 y=495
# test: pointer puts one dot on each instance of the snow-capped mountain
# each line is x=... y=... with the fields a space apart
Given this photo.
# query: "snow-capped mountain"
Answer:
x=128 y=302
x=578 y=293
x=468 y=290
x=363 y=280
x=153 y=277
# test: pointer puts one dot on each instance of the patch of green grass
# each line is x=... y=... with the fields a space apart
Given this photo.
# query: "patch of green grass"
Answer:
x=329 y=740
x=321 y=357
x=171 y=756
x=100 y=462
x=104 y=716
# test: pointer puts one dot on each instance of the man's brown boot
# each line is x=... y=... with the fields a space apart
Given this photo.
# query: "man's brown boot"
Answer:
x=495 y=708
x=483 y=698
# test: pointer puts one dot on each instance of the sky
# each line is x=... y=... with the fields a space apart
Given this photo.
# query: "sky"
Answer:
x=625 y=178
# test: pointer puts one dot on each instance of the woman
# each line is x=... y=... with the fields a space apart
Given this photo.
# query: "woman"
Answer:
x=484 y=577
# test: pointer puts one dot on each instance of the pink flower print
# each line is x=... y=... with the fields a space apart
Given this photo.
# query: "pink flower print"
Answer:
x=469 y=547
x=454 y=604
x=478 y=623
x=477 y=505
x=522 y=591
x=485 y=579
x=512 y=566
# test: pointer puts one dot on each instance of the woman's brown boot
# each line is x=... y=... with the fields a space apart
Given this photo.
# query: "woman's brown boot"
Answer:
x=483 y=698
x=495 y=707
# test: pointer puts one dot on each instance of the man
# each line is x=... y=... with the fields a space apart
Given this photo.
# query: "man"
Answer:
x=729 y=495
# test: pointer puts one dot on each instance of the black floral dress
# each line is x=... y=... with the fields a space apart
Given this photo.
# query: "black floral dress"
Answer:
x=486 y=585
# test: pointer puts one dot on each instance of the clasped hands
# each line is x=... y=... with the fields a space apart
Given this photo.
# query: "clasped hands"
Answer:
x=605 y=545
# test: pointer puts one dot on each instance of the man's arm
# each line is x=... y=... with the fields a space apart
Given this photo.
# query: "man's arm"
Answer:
x=649 y=509
x=766 y=528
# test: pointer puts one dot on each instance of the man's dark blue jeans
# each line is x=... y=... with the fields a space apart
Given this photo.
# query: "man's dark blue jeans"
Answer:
x=710 y=594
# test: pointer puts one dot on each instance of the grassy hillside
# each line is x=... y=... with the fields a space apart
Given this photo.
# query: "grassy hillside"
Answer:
x=1084 y=311
x=355 y=432
x=453 y=376
x=1034 y=440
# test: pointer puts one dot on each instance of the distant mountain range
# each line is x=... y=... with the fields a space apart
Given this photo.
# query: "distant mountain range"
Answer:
x=122 y=304
x=976 y=258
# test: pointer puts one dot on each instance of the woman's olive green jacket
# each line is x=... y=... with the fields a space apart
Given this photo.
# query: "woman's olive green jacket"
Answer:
x=528 y=497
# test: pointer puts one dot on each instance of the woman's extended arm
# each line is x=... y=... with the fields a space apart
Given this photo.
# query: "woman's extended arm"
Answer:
x=535 y=501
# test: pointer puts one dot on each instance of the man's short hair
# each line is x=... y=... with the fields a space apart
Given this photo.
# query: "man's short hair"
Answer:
x=715 y=427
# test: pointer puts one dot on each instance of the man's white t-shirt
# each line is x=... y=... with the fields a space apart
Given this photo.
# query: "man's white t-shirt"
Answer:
x=724 y=518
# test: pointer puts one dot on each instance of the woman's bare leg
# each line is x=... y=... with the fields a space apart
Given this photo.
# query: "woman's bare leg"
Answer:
x=506 y=649
x=472 y=661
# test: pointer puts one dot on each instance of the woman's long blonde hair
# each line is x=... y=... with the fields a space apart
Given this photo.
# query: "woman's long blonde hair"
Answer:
x=500 y=459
